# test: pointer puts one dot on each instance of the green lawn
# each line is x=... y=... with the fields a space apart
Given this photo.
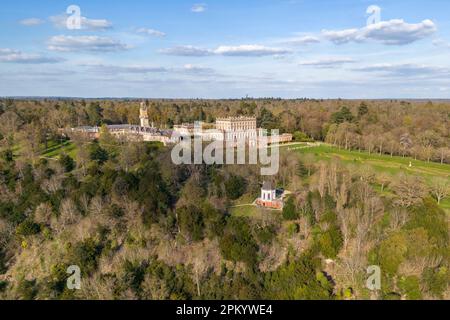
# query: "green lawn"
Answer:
x=383 y=163
x=245 y=211
x=446 y=204
x=55 y=150
x=245 y=199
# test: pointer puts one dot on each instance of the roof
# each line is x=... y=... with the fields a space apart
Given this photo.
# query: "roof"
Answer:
x=267 y=186
x=237 y=119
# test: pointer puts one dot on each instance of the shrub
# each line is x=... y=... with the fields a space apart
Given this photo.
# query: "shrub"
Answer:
x=410 y=287
x=67 y=162
x=298 y=279
x=289 y=210
x=235 y=187
x=265 y=235
x=301 y=137
x=436 y=281
x=85 y=255
x=293 y=229
x=392 y=253
x=97 y=153
x=27 y=290
x=28 y=228
x=237 y=243
x=191 y=222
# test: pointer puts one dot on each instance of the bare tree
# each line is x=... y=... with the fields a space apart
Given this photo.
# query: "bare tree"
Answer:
x=9 y=123
x=440 y=189
x=410 y=190
x=444 y=154
x=43 y=213
x=384 y=180
x=405 y=142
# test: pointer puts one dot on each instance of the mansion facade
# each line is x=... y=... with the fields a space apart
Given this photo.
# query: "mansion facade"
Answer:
x=145 y=131
x=231 y=130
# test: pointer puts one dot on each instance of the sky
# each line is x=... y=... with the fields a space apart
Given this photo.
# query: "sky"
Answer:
x=214 y=49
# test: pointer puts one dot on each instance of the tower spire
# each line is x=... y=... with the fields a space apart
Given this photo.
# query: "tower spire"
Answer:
x=143 y=115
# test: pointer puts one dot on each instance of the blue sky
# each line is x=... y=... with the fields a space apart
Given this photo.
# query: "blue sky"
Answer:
x=226 y=49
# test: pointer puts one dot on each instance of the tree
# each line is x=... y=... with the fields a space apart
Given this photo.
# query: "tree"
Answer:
x=301 y=137
x=237 y=243
x=31 y=137
x=436 y=281
x=94 y=113
x=190 y=220
x=363 y=109
x=98 y=154
x=298 y=280
x=444 y=154
x=106 y=139
x=235 y=187
x=27 y=289
x=289 y=210
x=28 y=228
x=392 y=252
x=440 y=189
x=384 y=180
x=302 y=171
x=9 y=123
x=67 y=162
x=267 y=120
x=410 y=287
x=330 y=239
x=410 y=190
x=86 y=255
x=405 y=142
x=343 y=115
x=152 y=193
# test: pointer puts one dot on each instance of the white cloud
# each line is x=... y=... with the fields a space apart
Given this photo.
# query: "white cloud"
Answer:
x=198 y=8
x=330 y=62
x=131 y=69
x=393 y=32
x=85 y=43
x=31 y=22
x=441 y=43
x=60 y=21
x=188 y=69
x=407 y=70
x=16 y=56
x=250 y=50
x=241 y=51
x=192 y=69
x=341 y=36
x=188 y=51
x=301 y=40
x=151 y=32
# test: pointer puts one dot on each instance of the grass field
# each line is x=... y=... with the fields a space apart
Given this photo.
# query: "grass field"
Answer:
x=55 y=149
x=383 y=163
x=244 y=211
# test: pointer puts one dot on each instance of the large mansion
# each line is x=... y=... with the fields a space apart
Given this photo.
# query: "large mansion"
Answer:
x=231 y=129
